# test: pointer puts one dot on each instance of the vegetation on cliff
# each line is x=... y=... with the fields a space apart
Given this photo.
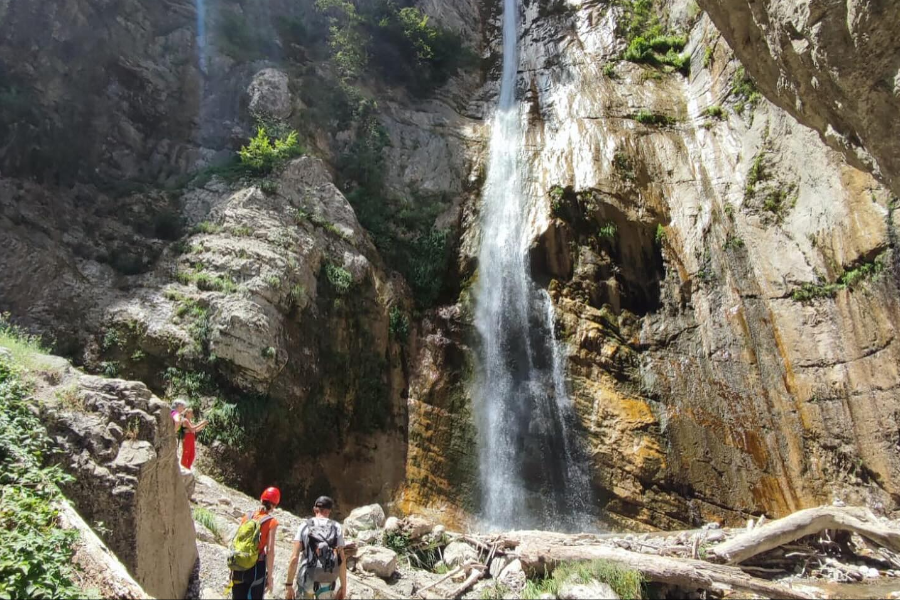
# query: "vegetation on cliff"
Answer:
x=35 y=553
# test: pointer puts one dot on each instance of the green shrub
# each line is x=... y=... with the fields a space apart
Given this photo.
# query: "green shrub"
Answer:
x=400 y=42
x=340 y=279
x=110 y=368
x=648 y=41
x=707 y=57
x=733 y=242
x=744 y=91
x=205 y=517
x=780 y=201
x=647 y=117
x=756 y=174
x=714 y=112
x=36 y=555
x=660 y=236
x=269 y=352
x=268 y=187
x=262 y=155
x=399 y=324
x=850 y=279
x=626 y=583
x=609 y=70
x=207 y=227
x=608 y=230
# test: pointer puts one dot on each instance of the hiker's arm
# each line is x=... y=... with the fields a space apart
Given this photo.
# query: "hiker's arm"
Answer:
x=200 y=426
x=292 y=570
x=342 y=593
x=270 y=560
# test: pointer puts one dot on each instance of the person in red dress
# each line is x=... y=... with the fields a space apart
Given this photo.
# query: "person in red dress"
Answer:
x=189 y=445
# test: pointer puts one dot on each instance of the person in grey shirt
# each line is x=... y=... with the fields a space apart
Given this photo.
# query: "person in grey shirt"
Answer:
x=323 y=559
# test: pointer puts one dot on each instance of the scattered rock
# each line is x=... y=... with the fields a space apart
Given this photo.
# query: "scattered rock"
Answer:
x=364 y=518
x=372 y=537
x=204 y=534
x=417 y=526
x=513 y=576
x=270 y=95
x=377 y=560
x=712 y=525
x=458 y=553
x=497 y=565
x=579 y=591
x=392 y=524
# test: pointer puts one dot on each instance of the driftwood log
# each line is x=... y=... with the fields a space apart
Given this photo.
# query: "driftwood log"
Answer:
x=804 y=523
x=681 y=572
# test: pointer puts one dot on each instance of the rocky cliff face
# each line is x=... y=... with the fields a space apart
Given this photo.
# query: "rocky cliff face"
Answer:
x=725 y=280
x=833 y=66
x=116 y=439
x=711 y=261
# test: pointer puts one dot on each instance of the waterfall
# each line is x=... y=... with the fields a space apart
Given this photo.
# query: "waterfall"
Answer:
x=532 y=470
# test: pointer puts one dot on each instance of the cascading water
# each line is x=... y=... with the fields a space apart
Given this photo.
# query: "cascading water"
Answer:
x=533 y=472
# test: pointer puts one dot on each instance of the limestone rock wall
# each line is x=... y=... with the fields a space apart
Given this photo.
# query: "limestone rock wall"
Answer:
x=706 y=388
x=117 y=440
x=834 y=66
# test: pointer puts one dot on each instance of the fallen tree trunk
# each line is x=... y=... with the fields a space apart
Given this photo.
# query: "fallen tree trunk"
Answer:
x=685 y=573
x=804 y=523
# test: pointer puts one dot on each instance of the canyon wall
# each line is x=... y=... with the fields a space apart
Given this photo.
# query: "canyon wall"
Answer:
x=722 y=263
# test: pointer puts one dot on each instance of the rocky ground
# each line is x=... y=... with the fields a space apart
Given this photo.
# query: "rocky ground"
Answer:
x=500 y=565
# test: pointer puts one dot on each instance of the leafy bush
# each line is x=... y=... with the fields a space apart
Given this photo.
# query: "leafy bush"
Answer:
x=733 y=242
x=648 y=41
x=400 y=42
x=609 y=70
x=608 y=231
x=714 y=112
x=262 y=155
x=779 y=201
x=647 y=117
x=35 y=553
x=660 y=235
x=849 y=280
x=399 y=324
x=340 y=279
x=756 y=174
x=708 y=54
x=268 y=187
x=744 y=90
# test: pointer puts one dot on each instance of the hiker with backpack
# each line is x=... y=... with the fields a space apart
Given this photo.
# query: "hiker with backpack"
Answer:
x=251 y=556
x=319 y=549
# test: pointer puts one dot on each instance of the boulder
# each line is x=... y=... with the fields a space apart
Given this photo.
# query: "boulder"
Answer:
x=458 y=553
x=513 y=576
x=416 y=526
x=364 y=518
x=133 y=485
x=269 y=95
x=392 y=524
x=572 y=590
x=497 y=565
x=371 y=537
x=377 y=561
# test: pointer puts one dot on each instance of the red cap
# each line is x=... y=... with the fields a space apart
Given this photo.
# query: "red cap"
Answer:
x=271 y=495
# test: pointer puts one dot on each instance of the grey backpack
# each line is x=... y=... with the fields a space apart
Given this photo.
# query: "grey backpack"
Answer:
x=320 y=550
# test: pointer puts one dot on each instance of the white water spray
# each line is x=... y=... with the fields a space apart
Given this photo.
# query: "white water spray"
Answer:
x=533 y=473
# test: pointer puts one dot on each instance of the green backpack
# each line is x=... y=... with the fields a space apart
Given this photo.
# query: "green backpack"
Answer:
x=243 y=553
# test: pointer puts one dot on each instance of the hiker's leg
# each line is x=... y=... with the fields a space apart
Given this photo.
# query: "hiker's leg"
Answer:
x=257 y=592
x=241 y=588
